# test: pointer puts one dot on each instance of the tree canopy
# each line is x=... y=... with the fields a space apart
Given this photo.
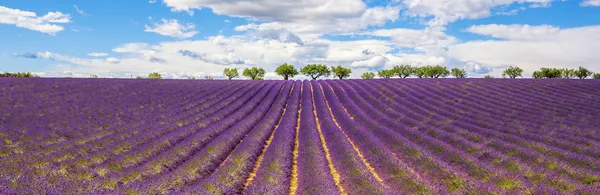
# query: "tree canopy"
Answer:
x=231 y=73
x=155 y=75
x=583 y=73
x=596 y=76
x=459 y=73
x=513 y=72
x=340 y=72
x=386 y=74
x=548 y=73
x=315 y=71
x=254 y=73
x=287 y=71
x=404 y=71
x=436 y=71
x=567 y=73
x=367 y=75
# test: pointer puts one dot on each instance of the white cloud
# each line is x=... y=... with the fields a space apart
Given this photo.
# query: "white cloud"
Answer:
x=376 y=62
x=113 y=60
x=565 y=48
x=221 y=59
x=29 y=20
x=173 y=28
x=414 y=38
x=476 y=68
x=97 y=54
x=516 y=32
x=285 y=11
x=271 y=33
x=590 y=3
x=313 y=28
x=446 y=11
x=308 y=19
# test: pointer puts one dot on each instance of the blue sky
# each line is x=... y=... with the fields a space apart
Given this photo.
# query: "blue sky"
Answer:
x=181 y=38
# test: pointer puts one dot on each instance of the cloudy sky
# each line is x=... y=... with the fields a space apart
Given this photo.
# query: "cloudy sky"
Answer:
x=181 y=38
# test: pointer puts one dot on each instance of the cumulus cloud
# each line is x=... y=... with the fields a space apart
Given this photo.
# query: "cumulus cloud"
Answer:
x=30 y=20
x=274 y=10
x=376 y=62
x=476 y=68
x=307 y=19
x=173 y=28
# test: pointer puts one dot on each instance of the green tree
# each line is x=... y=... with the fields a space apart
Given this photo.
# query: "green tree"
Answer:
x=513 y=72
x=94 y=76
x=596 y=76
x=386 y=74
x=286 y=71
x=367 y=75
x=404 y=71
x=582 y=73
x=254 y=73
x=550 y=73
x=488 y=76
x=231 y=73
x=459 y=73
x=315 y=71
x=139 y=77
x=340 y=72
x=155 y=75
x=537 y=75
x=567 y=73
x=436 y=71
x=208 y=77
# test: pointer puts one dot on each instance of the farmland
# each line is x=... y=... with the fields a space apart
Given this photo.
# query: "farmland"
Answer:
x=376 y=136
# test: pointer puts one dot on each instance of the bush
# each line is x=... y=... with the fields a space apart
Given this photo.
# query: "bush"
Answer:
x=155 y=75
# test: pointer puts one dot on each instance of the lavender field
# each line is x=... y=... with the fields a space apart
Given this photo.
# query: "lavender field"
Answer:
x=376 y=136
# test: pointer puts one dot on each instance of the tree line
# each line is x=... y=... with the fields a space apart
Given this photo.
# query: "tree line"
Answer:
x=288 y=71
x=437 y=71
x=316 y=71
x=19 y=75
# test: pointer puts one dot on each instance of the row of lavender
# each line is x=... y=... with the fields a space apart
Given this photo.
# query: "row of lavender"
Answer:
x=430 y=136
